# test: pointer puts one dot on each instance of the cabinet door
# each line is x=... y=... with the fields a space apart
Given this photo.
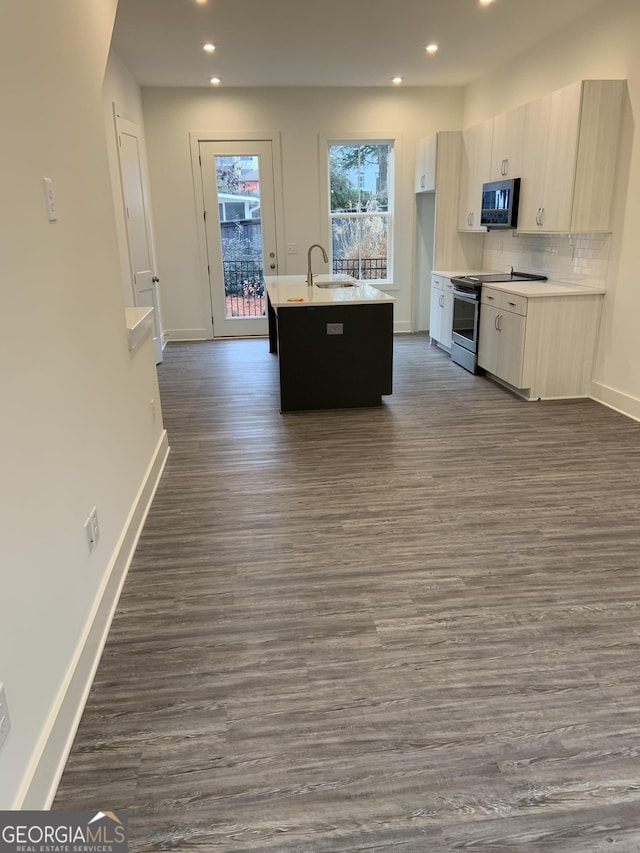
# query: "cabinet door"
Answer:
x=560 y=162
x=549 y=161
x=511 y=328
x=474 y=171
x=435 y=309
x=419 y=166
x=489 y=338
x=508 y=144
x=534 y=152
x=600 y=118
x=447 y=313
x=425 y=176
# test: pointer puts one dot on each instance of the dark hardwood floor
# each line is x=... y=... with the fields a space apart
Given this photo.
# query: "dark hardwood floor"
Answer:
x=409 y=628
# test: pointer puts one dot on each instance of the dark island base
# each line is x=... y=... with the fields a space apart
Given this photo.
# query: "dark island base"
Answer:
x=333 y=357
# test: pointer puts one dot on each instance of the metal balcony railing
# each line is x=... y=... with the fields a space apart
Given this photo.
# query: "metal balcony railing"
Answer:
x=244 y=282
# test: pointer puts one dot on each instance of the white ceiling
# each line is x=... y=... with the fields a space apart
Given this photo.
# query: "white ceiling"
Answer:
x=330 y=42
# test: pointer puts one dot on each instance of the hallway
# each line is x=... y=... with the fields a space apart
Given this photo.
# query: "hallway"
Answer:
x=407 y=628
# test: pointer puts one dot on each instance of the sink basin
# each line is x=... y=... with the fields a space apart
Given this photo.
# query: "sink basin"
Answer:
x=335 y=284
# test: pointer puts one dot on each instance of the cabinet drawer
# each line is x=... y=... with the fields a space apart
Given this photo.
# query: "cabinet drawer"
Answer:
x=504 y=301
x=436 y=281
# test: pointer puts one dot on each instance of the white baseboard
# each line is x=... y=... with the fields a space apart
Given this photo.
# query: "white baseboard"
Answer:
x=617 y=400
x=40 y=790
x=186 y=335
x=401 y=326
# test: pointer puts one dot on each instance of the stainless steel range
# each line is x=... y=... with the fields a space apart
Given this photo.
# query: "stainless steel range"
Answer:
x=466 y=313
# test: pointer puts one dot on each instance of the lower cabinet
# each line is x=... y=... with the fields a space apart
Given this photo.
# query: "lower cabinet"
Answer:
x=502 y=336
x=441 y=311
x=541 y=347
x=333 y=356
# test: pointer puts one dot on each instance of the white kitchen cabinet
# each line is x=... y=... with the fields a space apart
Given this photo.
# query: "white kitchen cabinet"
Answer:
x=569 y=158
x=502 y=335
x=507 y=144
x=441 y=311
x=541 y=347
x=475 y=169
x=425 y=167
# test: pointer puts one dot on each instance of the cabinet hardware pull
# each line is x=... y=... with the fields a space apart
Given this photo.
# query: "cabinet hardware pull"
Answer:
x=495 y=322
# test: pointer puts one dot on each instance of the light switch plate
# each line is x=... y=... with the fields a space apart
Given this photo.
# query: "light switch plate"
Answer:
x=5 y=722
x=50 y=200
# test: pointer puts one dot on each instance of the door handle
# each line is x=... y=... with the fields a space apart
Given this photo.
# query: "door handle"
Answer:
x=155 y=279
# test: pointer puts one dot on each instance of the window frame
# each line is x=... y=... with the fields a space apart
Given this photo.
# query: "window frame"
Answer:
x=357 y=139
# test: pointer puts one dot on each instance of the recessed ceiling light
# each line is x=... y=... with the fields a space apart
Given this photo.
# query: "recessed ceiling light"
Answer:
x=431 y=48
x=485 y=2
x=201 y=2
x=209 y=47
x=397 y=80
x=215 y=81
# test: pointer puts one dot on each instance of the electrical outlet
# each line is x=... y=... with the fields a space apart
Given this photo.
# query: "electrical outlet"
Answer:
x=292 y=248
x=5 y=722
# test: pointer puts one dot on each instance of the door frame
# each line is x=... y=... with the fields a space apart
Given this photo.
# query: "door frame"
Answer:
x=130 y=128
x=195 y=138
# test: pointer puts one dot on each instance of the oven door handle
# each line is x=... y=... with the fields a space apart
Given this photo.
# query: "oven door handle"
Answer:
x=465 y=297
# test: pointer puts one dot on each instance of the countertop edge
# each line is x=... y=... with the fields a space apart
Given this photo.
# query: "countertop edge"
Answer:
x=139 y=325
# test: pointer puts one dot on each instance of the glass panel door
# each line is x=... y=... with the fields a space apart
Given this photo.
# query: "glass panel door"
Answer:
x=237 y=180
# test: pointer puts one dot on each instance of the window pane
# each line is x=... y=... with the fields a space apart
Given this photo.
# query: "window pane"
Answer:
x=359 y=178
x=238 y=185
x=359 y=246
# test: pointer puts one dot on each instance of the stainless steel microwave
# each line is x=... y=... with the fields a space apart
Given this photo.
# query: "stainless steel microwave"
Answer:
x=500 y=203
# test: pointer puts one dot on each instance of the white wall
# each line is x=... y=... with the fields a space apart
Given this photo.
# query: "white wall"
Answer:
x=301 y=116
x=76 y=428
x=602 y=45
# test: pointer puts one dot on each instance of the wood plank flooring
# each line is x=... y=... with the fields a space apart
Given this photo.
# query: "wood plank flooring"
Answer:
x=409 y=628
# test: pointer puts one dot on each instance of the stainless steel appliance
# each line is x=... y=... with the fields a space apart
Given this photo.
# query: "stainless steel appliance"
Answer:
x=500 y=201
x=467 y=291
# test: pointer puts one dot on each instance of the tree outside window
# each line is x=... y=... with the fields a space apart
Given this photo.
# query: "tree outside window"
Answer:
x=359 y=182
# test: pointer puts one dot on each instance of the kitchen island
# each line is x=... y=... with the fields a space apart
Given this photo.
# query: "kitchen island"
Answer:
x=334 y=344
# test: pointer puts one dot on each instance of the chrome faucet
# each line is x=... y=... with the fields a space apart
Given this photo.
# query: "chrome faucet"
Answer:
x=324 y=258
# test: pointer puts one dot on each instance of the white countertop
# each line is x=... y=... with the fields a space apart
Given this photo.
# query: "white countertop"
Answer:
x=139 y=324
x=532 y=289
x=287 y=291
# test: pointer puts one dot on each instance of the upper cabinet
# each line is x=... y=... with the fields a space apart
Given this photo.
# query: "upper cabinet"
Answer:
x=426 y=152
x=569 y=158
x=564 y=149
x=507 y=145
x=474 y=171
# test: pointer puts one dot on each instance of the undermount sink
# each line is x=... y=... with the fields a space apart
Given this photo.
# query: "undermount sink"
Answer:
x=345 y=283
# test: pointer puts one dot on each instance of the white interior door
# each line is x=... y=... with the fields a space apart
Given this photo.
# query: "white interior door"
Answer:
x=145 y=281
x=240 y=224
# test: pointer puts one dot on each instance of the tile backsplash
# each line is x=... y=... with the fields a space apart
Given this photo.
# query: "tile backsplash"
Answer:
x=576 y=258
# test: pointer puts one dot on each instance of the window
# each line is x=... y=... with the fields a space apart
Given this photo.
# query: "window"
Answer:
x=360 y=204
